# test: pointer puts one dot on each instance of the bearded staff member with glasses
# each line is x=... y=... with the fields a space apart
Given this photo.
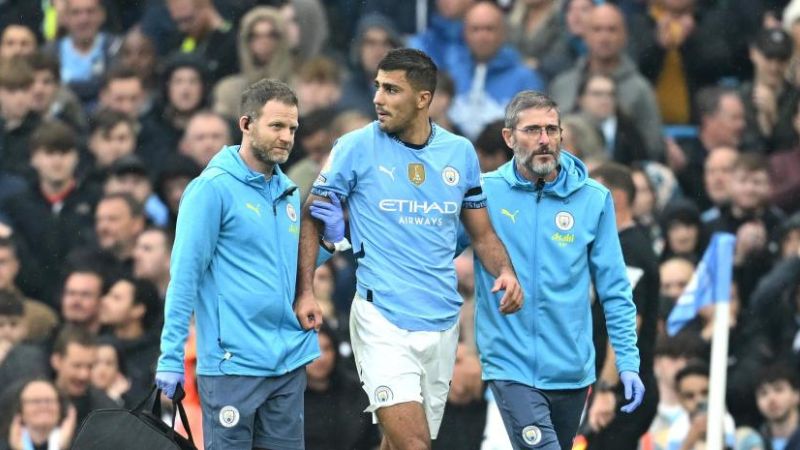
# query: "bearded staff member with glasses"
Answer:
x=559 y=228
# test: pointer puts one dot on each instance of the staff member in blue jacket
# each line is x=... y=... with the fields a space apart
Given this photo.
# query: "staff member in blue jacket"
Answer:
x=234 y=264
x=559 y=228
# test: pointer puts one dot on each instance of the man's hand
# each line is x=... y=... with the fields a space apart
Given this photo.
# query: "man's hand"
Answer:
x=308 y=312
x=633 y=389
x=697 y=430
x=751 y=237
x=168 y=382
x=513 y=297
x=603 y=410
x=331 y=216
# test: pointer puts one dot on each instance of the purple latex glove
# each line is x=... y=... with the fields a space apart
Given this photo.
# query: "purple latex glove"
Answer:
x=331 y=215
x=633 y=389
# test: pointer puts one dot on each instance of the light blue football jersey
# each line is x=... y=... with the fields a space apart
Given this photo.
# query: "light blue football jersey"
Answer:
x=404 y=203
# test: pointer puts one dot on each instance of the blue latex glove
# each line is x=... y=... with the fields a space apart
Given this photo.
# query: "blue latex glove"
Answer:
x=168 y=382
x=633 y=389
x=331 y=215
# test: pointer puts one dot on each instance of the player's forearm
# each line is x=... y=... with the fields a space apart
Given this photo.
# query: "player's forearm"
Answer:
x=492 y=254
x=309 y=250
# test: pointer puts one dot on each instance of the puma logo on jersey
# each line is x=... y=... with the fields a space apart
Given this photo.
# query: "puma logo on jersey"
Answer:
x=255 y=208
x=508 y=214
x=387 y=171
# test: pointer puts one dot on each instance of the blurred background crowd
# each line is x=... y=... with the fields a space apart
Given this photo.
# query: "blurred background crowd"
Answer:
x=108 y=108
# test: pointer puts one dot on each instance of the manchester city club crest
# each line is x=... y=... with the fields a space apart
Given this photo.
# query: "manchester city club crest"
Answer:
x=383 y=394
x=416 y=173
x=564 y=221
x=228 y=416
x=450 y=176
x=531 y=434
x=291 y=212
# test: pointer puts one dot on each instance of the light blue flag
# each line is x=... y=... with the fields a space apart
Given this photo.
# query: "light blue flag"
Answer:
x=710 y=283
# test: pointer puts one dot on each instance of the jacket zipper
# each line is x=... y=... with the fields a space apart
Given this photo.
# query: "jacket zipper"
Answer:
x=535 y=294
x=539 y=189
x=276 y=223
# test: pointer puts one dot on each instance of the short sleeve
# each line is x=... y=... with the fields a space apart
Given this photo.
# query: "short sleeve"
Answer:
x=339 y=173
x=474 y=198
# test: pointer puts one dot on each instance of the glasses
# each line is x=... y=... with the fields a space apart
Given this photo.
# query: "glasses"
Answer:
x=536 y=130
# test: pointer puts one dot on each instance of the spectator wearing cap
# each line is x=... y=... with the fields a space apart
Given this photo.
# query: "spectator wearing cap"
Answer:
x=375 y=36
x=54 y=215
x=128 y=174
x=679 y=49
x=770 y=100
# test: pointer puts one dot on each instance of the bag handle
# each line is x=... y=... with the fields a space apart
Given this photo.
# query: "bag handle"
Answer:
x=140 y=406
x=177 y=407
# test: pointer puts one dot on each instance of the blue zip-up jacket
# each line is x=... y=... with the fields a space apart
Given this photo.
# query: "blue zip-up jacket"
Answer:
x=234 y=263
x=560 y=237
x=506 y=73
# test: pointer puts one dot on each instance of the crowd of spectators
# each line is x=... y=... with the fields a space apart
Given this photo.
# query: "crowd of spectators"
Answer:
x=108 y=108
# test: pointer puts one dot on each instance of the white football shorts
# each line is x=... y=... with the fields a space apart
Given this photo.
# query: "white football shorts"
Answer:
x=399 y=366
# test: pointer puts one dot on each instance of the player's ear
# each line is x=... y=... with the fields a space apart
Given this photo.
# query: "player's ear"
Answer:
x=424 y=99
x=244 y=123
